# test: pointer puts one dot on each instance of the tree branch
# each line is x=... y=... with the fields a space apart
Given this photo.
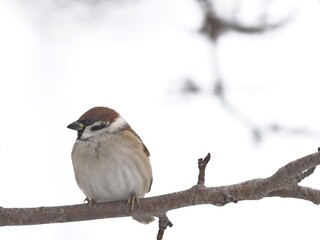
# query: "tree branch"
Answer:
x=284 y=183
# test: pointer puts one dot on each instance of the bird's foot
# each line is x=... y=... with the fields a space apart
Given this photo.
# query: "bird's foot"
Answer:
x=91 y=202
x=133 y=200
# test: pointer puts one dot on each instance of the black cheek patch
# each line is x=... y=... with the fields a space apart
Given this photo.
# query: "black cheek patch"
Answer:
x=80 y=132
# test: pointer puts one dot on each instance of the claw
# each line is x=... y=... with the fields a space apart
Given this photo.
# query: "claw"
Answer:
x=133 y=200
x=90 y=202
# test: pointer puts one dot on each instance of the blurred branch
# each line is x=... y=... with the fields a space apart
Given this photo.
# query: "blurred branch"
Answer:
x=214 y=25
x=284 y=183
x=259 y=131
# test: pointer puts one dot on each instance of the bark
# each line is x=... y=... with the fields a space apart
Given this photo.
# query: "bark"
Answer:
x=283 y=183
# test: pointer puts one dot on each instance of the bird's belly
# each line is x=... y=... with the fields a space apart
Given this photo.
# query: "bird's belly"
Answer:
x=111 y=184
x=108 y=176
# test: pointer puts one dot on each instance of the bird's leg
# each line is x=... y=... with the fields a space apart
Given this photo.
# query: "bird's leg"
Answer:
x=133 y=200
x=90 y=202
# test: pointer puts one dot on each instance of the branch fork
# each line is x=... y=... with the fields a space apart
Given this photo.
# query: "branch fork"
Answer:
x=284 y=183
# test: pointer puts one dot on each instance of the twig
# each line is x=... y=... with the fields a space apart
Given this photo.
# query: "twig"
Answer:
x=202 y=164
x=164 y=222
x=306 y=173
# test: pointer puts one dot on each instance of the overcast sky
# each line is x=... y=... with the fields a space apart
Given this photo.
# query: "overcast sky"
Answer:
x=56 y=63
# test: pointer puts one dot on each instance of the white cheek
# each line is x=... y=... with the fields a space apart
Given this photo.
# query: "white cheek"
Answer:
x=85 y=136
x=116 y=125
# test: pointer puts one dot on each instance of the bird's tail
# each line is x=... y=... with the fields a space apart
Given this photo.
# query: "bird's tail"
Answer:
x=143 y=218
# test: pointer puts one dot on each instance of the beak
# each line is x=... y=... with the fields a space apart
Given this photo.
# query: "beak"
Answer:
x=76 y=126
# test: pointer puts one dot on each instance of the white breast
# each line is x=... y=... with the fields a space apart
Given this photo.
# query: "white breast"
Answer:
x=113 y=168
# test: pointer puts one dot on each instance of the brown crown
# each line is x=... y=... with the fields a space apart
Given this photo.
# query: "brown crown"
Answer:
x=100 y=114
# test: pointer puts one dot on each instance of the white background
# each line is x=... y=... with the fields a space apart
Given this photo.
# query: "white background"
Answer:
x=56 y=63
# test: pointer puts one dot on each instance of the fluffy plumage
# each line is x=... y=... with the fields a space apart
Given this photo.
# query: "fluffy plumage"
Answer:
x=109 y=159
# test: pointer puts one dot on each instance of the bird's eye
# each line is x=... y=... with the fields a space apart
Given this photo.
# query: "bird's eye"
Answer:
x=88 y=122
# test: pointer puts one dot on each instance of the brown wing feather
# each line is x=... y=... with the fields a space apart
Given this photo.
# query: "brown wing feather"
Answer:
x=145 y=149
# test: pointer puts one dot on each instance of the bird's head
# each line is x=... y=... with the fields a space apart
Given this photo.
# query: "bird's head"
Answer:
x=98 y=120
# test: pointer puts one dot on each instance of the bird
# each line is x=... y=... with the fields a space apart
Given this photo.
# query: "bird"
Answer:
x=110 y=161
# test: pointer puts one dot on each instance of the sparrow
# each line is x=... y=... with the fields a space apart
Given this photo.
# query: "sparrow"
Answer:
x=110 y=161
